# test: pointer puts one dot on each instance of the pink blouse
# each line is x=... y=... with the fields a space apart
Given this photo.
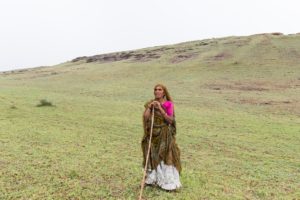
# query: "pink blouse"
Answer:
x=169 y=107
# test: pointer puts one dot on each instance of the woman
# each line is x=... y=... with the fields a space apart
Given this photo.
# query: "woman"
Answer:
x=164 y=165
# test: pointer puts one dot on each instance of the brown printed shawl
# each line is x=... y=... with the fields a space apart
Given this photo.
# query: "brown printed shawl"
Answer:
x=163 y=142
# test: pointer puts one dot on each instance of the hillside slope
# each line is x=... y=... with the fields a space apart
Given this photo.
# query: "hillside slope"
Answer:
x=237 y=102
x=260 y=64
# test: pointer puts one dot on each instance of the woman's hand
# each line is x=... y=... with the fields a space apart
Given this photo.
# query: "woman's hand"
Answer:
x=156 y=104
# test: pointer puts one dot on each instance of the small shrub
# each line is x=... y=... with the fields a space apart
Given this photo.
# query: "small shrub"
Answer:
x=44 y=102
x=73 y=174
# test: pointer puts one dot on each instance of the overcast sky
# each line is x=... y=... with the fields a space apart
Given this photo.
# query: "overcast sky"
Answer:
x=47 y=32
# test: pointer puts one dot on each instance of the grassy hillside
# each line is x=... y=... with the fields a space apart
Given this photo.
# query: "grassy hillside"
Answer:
x=237 y=103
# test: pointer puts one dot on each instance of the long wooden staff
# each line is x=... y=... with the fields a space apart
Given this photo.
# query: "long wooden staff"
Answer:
x=149 y=145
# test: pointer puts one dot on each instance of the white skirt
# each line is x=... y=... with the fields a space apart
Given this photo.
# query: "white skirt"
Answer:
x=165 y=176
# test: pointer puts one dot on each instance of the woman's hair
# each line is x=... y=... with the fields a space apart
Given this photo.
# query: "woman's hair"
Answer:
x=167 y=94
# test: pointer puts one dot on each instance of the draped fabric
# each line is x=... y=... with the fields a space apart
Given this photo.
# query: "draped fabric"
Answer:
x=163 y=143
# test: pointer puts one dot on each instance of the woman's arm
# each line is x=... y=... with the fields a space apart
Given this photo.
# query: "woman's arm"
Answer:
x=147 y=111
x=166 y=116
x=169 y=110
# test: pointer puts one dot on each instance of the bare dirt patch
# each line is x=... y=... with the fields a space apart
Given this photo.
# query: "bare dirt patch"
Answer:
x=238 y=42
x=236 y=87
x=252 y=85
x=221 y=56
x=290 y=105
x=31 y=73
x=183 y=57
x=142 y=56
x=255 y=101
x=276 y=33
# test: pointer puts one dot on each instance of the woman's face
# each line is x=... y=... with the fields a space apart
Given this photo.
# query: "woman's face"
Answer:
x=158 y=92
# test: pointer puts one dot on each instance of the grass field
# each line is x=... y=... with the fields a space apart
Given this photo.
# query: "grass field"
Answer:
x=237 y=104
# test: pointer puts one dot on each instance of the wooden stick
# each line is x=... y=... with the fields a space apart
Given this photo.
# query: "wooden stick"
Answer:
x=146 y=164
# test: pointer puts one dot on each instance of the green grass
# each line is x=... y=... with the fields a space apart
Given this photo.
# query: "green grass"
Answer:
x=237 y=118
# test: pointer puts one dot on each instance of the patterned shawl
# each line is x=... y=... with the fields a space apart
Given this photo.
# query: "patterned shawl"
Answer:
x=163 y=142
